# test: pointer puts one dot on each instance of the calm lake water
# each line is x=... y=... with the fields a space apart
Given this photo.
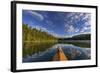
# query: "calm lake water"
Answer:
x=41 y=52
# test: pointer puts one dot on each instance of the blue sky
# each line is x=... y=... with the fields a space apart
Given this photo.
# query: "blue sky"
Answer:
x=59 y=24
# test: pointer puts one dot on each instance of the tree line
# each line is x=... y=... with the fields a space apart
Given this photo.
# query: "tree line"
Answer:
x=32 y=34
x=78 y=37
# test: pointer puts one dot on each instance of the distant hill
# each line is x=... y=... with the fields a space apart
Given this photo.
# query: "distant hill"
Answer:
x=82 y=37
x=78 y=37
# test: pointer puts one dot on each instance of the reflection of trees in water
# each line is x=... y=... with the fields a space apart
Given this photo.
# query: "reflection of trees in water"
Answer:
x=80 y=43
x=77 y=53
x=30 y=48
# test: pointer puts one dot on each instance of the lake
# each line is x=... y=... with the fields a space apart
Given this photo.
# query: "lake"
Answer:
x=45 y=51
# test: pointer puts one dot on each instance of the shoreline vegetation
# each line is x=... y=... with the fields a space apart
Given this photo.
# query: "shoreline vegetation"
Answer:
x=36 y=41
x=32 y=34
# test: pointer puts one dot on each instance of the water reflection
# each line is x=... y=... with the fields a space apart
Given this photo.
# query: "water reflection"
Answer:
x=41 y=52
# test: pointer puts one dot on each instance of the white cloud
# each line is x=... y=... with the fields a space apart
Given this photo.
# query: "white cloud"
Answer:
x=50 y=23
x=71 y=22
x=37 y=15
x=84 y=29
x=77 y=30
x=86 y=16
x=76 y=16
x=70 y=28
x=41 y=28
x=87 y=23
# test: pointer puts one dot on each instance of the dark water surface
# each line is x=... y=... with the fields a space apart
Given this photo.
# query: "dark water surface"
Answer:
x=41 y=52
